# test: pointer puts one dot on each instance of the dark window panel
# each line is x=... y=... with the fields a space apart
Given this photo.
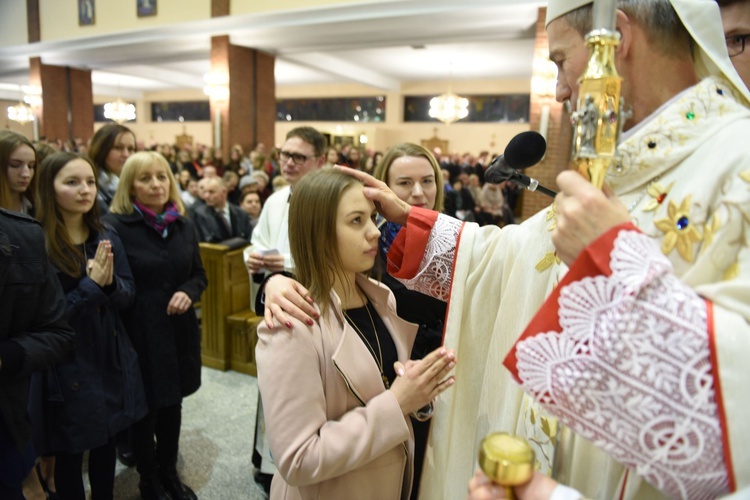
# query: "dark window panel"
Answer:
x=346 y=109
x=482 y=108
x=181 y=111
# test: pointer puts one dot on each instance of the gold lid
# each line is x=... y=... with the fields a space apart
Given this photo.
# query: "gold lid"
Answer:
x=506 y=459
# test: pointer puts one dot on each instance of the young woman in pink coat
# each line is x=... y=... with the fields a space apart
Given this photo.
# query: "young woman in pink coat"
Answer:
x=337 y=393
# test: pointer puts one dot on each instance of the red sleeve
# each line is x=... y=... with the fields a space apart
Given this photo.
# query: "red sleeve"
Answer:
x=414 y=237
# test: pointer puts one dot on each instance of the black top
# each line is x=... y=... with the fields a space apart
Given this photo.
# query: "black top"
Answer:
x=360 y=321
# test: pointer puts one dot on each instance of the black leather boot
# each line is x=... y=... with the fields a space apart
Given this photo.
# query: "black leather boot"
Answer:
x=175 y=487
x=152 y=489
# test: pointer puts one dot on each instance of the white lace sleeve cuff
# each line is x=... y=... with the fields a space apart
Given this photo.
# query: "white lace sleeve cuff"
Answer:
x=435 y=271
x=630 y=370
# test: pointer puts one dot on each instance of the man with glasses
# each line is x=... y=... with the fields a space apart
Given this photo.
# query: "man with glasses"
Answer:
x=735 y=16
x=303 y=152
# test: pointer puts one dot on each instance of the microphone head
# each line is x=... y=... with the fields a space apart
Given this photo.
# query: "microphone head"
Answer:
x=525 y=149
x=498 y=171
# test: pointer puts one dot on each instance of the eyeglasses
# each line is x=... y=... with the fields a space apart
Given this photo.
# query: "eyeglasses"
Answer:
x=736 y=44
x=297 y=158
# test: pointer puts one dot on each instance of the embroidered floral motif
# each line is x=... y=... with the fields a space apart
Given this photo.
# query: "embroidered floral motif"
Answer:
x=674 y=135
x=552 y=216
x=630 y=371
x=745 y=176
x=732 y=272
x=659 y=193
x=709 y=230
x=679 y=230
x=541 y=430
x=434 y=276
x=549 y=260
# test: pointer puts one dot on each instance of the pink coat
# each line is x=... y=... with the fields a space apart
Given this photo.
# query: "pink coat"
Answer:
x=334 y=431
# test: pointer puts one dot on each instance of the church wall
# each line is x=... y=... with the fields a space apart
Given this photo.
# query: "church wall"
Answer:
x=59 y=19
x=261 y=6
x=13 y=23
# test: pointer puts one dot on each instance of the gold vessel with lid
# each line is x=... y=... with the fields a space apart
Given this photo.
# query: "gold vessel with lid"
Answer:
x=507 y=460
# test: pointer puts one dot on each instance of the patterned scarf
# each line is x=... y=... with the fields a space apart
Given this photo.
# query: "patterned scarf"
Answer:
x=160 y=222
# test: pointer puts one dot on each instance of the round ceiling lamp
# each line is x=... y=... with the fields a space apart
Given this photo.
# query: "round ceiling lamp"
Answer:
x=119 y=111
x=449 y=108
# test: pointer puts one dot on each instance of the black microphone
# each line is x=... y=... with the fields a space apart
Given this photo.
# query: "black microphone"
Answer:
x=523 y=151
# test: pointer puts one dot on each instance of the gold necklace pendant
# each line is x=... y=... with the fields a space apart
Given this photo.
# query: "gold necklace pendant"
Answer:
x=385 y=380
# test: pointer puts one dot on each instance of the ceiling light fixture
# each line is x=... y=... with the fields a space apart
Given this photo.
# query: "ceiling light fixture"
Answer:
x=449 y=108
x=217 y=86
x=119 y=111
x=217 y=90
x=21 y=113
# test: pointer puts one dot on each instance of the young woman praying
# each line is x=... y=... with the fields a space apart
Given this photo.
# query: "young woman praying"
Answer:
x=337 y=414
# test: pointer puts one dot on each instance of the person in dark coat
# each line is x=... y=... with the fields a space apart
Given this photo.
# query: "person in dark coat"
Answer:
x=110 y=148
x=80 y=404
x=163 y=253
x=34 y=334
x=218 y=220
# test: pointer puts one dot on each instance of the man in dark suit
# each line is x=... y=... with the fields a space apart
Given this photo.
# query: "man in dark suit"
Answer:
x=33 y=335
x=218 y=221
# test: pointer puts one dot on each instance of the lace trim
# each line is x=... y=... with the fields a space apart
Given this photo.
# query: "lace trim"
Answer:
x=435 y=271
x=631 y=371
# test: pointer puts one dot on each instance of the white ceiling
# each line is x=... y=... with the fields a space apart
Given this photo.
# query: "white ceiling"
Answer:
x=380 y=43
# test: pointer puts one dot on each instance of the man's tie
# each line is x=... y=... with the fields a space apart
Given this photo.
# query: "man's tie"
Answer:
x=224 y=226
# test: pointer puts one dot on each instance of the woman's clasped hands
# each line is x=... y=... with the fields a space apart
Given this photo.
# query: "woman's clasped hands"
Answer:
x=419 y=382
x=101 y=268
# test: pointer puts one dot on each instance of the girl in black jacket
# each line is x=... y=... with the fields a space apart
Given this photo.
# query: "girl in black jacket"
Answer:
x=81 y=403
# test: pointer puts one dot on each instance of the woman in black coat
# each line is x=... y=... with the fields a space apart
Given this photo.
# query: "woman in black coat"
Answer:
x=162 y=249
x=82 y=402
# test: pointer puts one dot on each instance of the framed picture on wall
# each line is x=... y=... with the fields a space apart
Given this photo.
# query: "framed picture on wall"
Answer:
x=86 y=12
x=146 y=8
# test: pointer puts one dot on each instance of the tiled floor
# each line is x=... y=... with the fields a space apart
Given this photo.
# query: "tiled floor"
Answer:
x=218 y=423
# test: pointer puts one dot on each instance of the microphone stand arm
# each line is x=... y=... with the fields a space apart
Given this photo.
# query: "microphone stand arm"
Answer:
x=531 y=184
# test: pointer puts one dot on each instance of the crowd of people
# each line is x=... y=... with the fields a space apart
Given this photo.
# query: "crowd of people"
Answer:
x=365 y=328
x=121 y=226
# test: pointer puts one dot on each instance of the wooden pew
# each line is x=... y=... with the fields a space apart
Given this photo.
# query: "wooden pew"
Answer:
x=228 y=325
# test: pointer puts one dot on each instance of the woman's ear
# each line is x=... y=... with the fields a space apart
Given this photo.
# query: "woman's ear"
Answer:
x=624 y=26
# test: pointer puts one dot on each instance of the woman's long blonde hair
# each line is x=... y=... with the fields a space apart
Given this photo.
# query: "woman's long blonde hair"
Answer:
x=312 y=231
x=122 y=202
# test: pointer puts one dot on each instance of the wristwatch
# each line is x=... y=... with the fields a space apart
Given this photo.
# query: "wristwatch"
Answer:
x=424 y=413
